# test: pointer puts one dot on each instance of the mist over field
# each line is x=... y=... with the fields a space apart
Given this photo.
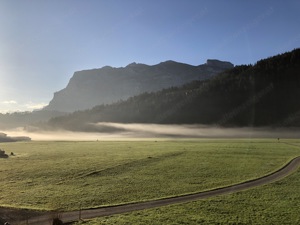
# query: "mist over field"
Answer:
x=121 y=131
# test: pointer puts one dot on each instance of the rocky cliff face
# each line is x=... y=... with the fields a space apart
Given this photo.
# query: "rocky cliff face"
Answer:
x=89 y=88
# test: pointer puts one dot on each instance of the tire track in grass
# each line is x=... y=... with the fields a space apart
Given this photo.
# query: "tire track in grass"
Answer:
x=122 y=168
x=118 y=209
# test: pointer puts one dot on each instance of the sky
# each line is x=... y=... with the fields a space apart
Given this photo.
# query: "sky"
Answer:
x=43 y=42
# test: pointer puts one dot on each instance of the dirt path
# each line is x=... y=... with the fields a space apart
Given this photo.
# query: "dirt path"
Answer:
x=111 y=210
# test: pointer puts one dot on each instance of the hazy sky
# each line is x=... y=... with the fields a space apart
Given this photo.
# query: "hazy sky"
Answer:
x=43 y=42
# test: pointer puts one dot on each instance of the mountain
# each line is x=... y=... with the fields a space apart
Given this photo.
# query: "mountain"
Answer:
x=89 y=88
x=264 y=94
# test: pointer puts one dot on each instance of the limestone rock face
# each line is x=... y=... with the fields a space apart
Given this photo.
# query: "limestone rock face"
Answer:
x=106 y=85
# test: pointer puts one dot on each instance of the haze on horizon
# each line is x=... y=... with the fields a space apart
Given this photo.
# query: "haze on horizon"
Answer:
x=42 y=43
x=136 y=131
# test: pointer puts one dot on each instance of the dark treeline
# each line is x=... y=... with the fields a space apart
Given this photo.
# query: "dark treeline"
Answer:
x=5 y=138
x=264 y=94
x=21 y=119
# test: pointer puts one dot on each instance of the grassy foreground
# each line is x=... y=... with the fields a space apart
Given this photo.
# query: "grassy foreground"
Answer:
x=70 y=175
x=276 y=203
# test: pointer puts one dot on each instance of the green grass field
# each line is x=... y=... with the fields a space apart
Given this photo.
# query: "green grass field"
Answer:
x=277 y=203
x=70 y=175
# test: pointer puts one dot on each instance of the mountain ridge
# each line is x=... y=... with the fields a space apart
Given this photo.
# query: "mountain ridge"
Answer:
x=263 y=94
x=88 y=88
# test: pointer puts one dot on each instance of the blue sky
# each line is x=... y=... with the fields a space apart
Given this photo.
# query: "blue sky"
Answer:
x=43 y=42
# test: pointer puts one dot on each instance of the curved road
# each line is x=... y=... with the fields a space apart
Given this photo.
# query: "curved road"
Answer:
x=110 y=210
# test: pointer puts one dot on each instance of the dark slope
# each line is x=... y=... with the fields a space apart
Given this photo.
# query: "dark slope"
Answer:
x=21 y=119
x=5 y=138
x=89 y=88
x=266 y=94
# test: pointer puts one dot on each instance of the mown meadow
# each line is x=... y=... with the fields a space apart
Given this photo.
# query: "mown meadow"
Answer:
x=277 y=203
x=73 y=175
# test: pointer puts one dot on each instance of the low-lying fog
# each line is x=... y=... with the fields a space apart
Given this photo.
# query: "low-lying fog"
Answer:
x=119 y=131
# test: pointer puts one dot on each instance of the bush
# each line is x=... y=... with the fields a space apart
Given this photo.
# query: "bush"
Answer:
x=57 y=221
x=2 y=154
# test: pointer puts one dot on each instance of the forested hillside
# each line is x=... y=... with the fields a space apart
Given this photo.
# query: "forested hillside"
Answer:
x=21 y=119
x=264 y=94
x=107 y=85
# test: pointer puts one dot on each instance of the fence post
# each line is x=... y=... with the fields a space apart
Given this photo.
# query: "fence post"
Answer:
x=80 y=212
